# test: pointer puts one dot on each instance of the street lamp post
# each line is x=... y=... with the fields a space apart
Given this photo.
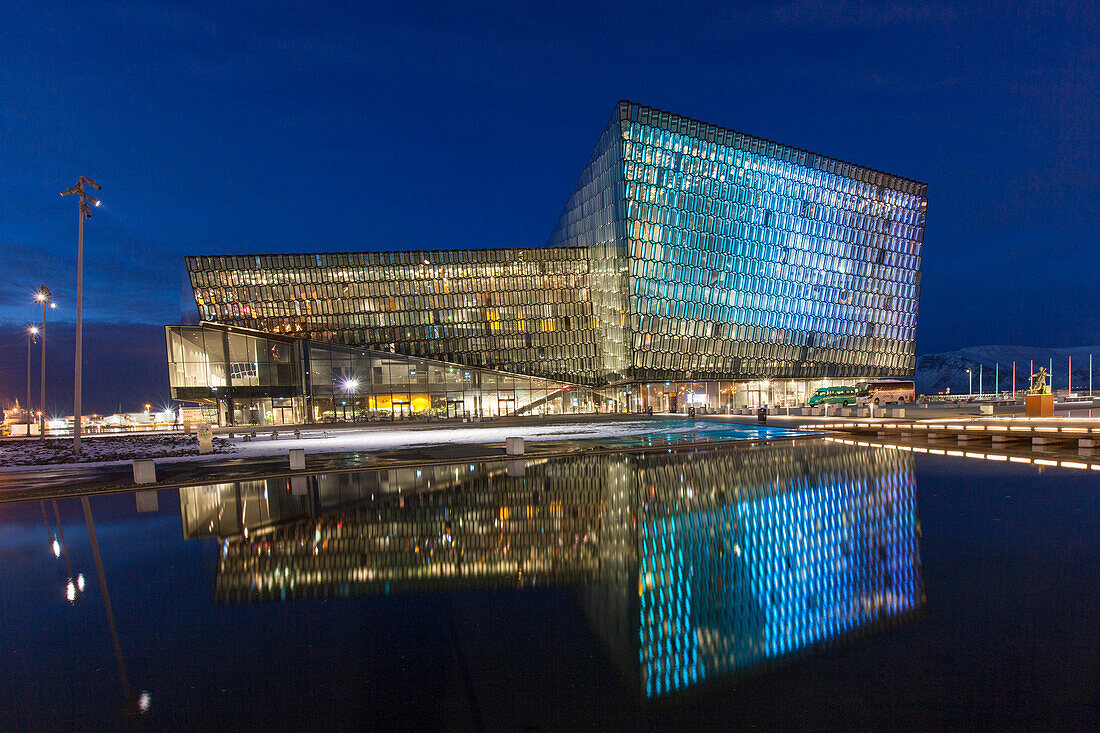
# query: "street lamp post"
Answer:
x=86 y=203
x=32 y=335
x=43 y=296
x=970 y=380
x=351 y=386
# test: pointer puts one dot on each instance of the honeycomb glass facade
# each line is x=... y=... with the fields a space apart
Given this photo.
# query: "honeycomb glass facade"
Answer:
x=686 y=252
x=688 y=567
x=521 y=310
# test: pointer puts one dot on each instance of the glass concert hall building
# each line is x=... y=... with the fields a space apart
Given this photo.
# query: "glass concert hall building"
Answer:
x=692 y=266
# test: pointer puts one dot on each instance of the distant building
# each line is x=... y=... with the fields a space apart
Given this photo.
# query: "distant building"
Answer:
x=692 y=265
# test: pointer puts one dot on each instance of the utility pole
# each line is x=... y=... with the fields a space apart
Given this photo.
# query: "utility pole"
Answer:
x=43 y=296
x=85 y=212
x=32 y=336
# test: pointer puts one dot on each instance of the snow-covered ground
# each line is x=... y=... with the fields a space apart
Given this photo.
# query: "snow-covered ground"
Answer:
x=340 y=441
x=14 y=455
x=20 y=454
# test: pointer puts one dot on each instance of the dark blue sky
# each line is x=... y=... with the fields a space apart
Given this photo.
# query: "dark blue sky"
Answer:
x=308 y=127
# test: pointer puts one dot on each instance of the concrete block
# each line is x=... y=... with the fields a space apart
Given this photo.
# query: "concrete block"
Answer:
x=146 y=501
x=1043 y=441
x=145 y=472
x=205 y=434
x=985 y=409
x=513 y=446
x=1087 y=443
x=896 y=412
x=297 y=459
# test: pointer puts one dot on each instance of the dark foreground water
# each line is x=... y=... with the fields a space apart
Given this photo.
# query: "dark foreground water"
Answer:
x=796 y=586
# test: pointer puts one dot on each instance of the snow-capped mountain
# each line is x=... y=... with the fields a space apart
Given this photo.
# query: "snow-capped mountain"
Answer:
x=938 y=372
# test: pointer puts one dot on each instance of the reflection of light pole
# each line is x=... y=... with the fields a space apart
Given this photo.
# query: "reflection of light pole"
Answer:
x=970 y=378
x=32 y=335
x=86 y=204
x=132 y=704
x=42 y=295
x=72 y=590
x=54 y=547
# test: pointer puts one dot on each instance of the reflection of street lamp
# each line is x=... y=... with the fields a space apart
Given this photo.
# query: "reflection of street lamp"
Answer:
x=42 y=295
x=73 y=588
x=85 y=207
x=135 y=704
x=32 y=335
x=970 y=377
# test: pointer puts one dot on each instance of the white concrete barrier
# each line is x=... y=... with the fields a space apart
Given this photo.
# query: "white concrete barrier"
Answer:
x=896 y=412
x=297 y=459
x=145 y=472
x=513 y=446
x=206 y=438
x=985 y=409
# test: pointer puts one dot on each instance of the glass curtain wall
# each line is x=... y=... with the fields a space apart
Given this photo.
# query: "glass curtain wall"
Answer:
x=257 y=379
x=356 y=384
x=755 y=259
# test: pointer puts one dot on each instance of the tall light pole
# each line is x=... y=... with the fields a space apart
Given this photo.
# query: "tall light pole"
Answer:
x=43 y=296
x=32 y=335
x=970 y=380
x=86 y=203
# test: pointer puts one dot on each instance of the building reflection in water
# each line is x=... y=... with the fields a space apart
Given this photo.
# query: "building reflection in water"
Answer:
x=691 y=566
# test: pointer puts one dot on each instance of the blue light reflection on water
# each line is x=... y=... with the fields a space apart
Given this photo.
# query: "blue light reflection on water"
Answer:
x=801 y=560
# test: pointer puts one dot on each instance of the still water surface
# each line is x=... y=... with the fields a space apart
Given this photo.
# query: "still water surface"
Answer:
x=798 y=585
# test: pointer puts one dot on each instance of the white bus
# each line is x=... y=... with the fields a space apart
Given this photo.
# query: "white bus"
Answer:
x=885 y=391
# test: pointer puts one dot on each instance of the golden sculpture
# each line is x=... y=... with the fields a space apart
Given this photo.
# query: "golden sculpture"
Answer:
x=1039 y=382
